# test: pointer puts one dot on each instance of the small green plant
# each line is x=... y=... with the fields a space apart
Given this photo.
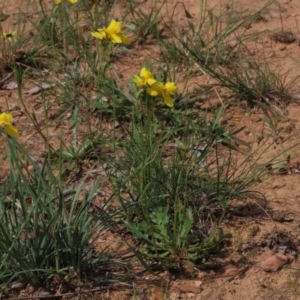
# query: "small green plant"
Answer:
x=205 y=46
x=145 y=25
x=45 y=229
x=255 y=84
x=168 y=181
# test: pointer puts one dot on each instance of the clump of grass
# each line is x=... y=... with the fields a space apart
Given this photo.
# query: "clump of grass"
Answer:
x=145 y=25
x=252 y=83
x=45 y=228
x=172 y=184
x=205 y=45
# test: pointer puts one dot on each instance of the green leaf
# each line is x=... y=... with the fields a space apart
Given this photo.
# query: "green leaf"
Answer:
x=191 y=26
x=72 y=166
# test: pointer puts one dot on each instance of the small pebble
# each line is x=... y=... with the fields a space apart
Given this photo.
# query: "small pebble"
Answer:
x=17 y=285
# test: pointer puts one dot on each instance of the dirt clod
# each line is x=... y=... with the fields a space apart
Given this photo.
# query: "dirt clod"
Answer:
x=285 y=37
x=274 y=263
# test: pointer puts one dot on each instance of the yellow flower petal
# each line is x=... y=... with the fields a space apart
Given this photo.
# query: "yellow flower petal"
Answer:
x=57 y=2
x=138 y=80
x=114 y=27
x=125 y=39
x=152 y=92
x=99 y=34
x=145 y=78
x=118 y=38
x=151 y=81
x=11 y=130
x=115 y=38
x=146 y=73
x=170 y=88
x=6 y=120
x=155 y=89
x=112 y=33
x=72 y=1
x=169 y=101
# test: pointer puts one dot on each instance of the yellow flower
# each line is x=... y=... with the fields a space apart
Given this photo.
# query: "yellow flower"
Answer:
x=144 y=79
x=155 y=89
x=170 y=89
x=111 y=33
x=159 y=89
x=6 y=121
x=11 y=35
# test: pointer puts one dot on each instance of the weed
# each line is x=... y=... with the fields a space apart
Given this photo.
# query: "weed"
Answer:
x=46 y=230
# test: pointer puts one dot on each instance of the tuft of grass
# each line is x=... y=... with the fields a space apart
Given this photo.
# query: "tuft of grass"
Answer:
x=145 y=24
x=173 y=183
x=46 y=230
x=205 y=45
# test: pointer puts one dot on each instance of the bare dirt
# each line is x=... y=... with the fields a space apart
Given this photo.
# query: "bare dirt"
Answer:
x=259 y=229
